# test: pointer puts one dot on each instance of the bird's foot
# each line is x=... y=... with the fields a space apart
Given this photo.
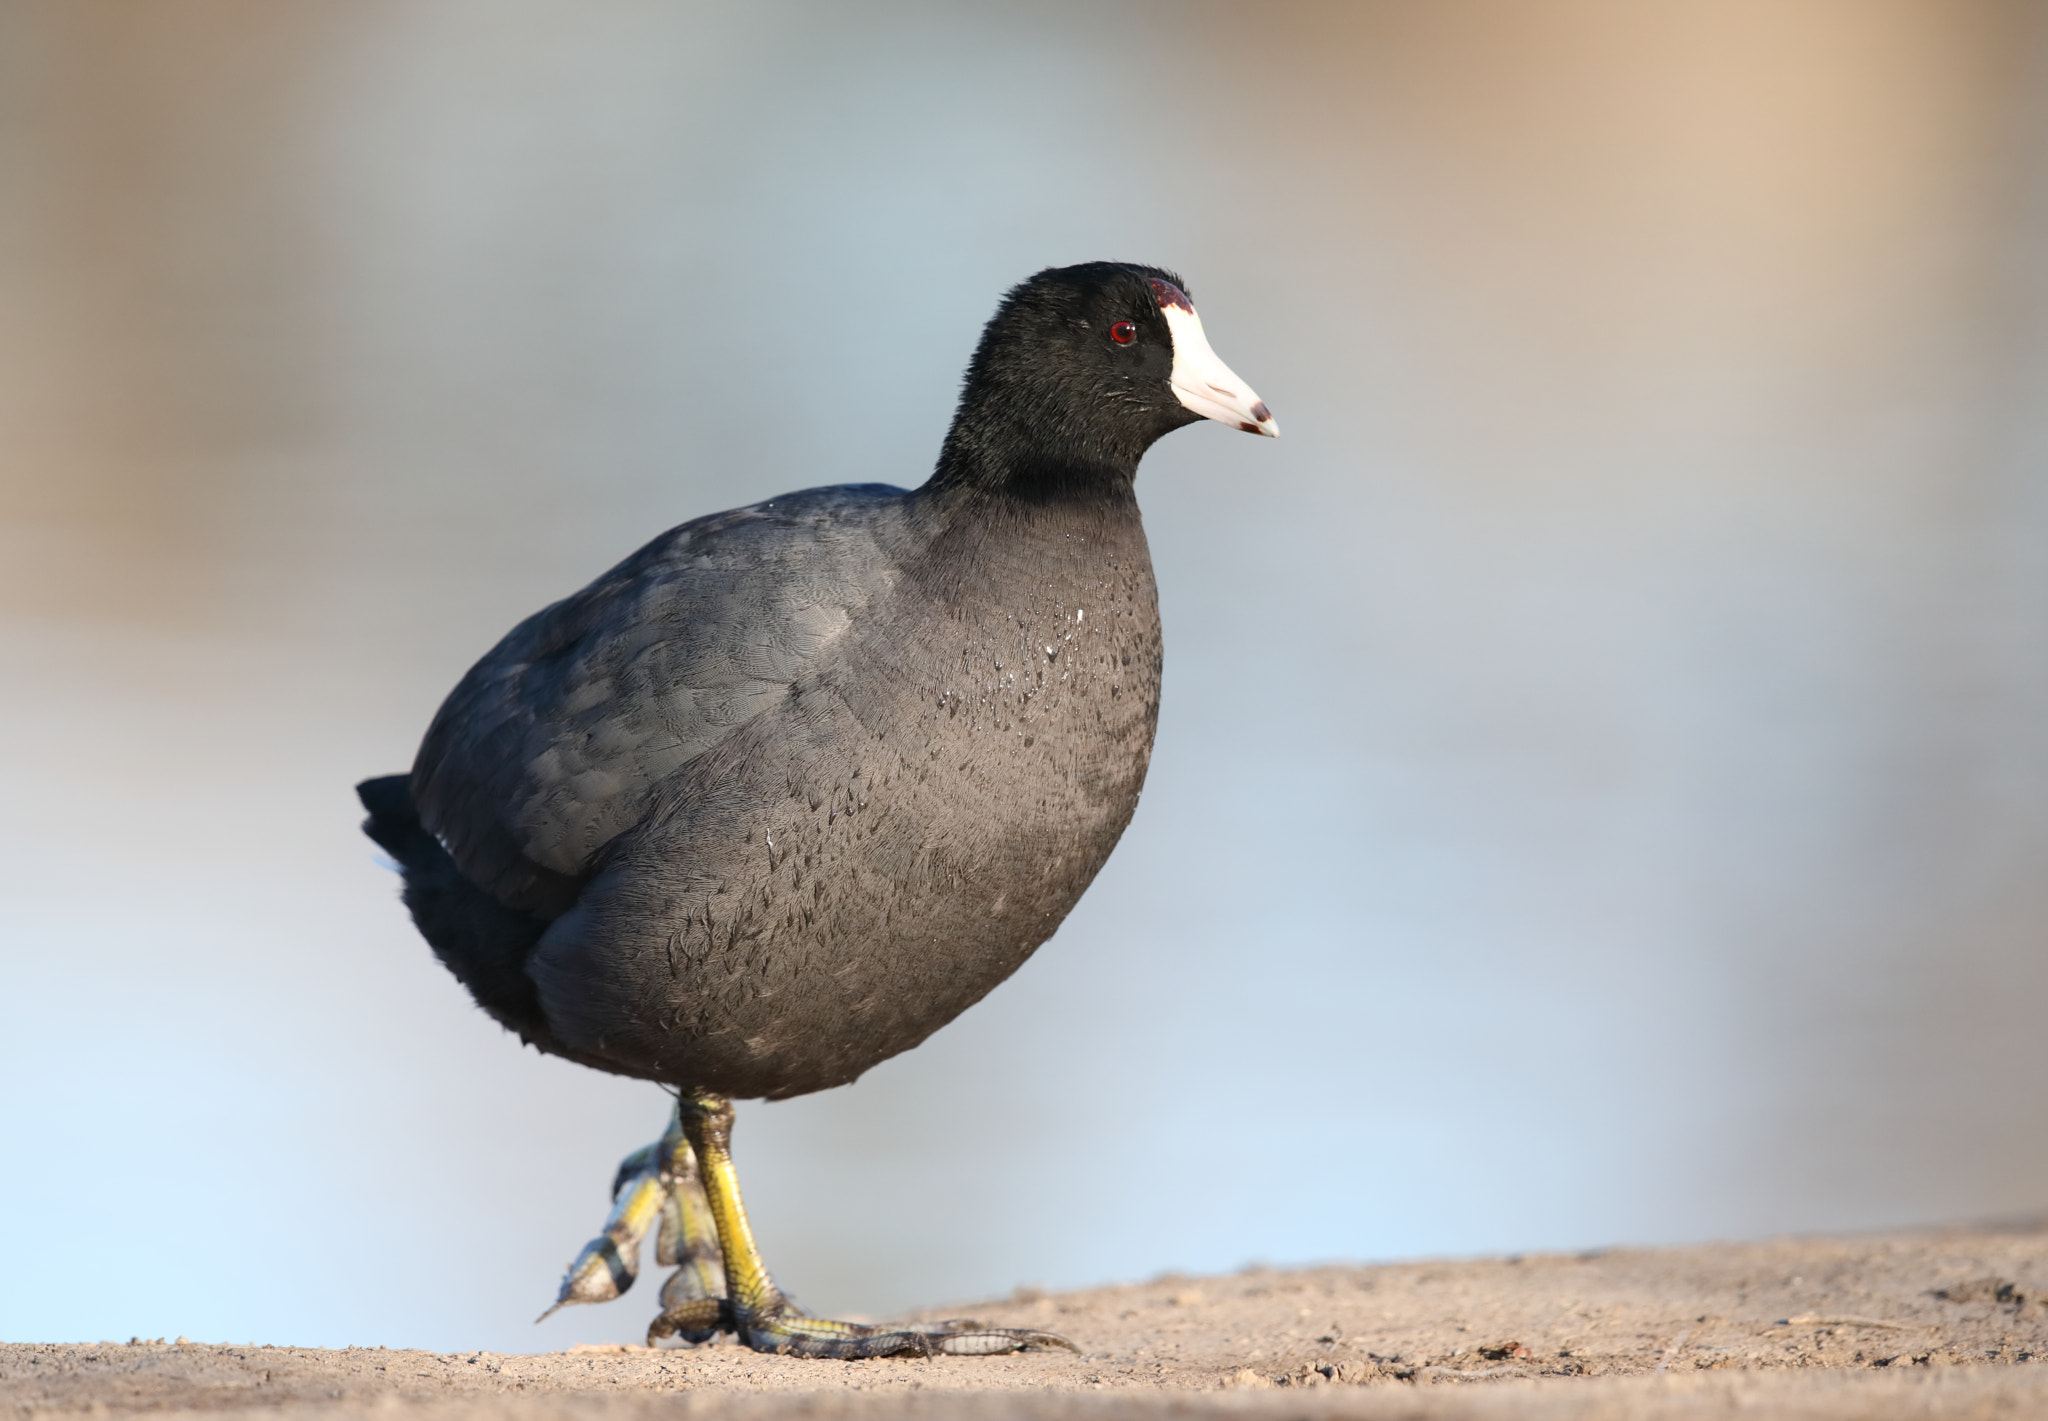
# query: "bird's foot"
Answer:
x=692 y=1319
x=685 y=1183
x=788 y=1332
x=657 y=1184
x=610 y=1262
x=758 y=1311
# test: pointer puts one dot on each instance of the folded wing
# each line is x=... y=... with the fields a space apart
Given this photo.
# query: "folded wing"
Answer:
x=557 y=741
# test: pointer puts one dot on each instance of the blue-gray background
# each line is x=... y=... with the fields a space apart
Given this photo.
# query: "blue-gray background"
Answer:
x=1602 y=788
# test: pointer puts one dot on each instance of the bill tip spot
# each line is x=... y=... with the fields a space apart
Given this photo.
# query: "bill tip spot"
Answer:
x=1261 y=413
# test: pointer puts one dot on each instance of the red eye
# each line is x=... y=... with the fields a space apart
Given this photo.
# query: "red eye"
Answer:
x=1123 y=332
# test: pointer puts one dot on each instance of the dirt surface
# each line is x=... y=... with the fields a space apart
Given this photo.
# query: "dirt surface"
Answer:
x=1941 y=1324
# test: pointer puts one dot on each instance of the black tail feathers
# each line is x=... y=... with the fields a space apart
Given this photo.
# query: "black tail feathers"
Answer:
x=393 y=820
x=483 y=942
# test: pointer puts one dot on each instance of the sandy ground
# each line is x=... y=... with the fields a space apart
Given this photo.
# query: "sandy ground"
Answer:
x=1932 y=1324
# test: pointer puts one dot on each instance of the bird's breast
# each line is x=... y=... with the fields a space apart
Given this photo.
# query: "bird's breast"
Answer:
x=1027 y=701
x=853 y=870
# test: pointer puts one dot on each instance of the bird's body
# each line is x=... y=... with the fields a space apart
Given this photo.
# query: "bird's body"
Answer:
x=796 y=855
x=794 y=785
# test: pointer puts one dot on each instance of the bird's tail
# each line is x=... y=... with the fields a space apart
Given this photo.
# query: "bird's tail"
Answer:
x=393 y=821
x=483 y=942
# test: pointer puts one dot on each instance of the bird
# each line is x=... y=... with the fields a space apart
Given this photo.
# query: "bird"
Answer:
x=795 y=784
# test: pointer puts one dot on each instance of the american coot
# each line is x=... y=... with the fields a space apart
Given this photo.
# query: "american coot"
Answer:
x=791 y=787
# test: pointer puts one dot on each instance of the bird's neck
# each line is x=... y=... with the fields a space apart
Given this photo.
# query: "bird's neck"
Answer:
x=1005 y=446
x=998 y=523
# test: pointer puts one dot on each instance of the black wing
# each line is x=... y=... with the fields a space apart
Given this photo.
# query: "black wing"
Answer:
x=555 y=742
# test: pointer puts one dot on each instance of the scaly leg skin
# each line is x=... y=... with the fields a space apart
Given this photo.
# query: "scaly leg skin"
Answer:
x=610 y=1262
x=693 y=1299
x=756 y=1309
x=656 y=1183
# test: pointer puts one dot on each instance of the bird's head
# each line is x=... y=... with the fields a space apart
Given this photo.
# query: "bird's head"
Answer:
x=1083 y=367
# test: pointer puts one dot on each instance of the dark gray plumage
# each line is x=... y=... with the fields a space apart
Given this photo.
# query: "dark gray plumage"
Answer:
x=794 y=785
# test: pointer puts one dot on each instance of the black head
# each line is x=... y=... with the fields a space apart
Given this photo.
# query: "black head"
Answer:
x=1080 y=369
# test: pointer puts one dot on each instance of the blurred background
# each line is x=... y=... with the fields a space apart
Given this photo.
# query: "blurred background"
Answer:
x=1602 y=787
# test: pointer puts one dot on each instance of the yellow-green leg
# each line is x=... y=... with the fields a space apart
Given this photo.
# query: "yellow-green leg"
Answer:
x=755 y=1307
x=693 y=1298
x=656 y=1185
x=610 y=1262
